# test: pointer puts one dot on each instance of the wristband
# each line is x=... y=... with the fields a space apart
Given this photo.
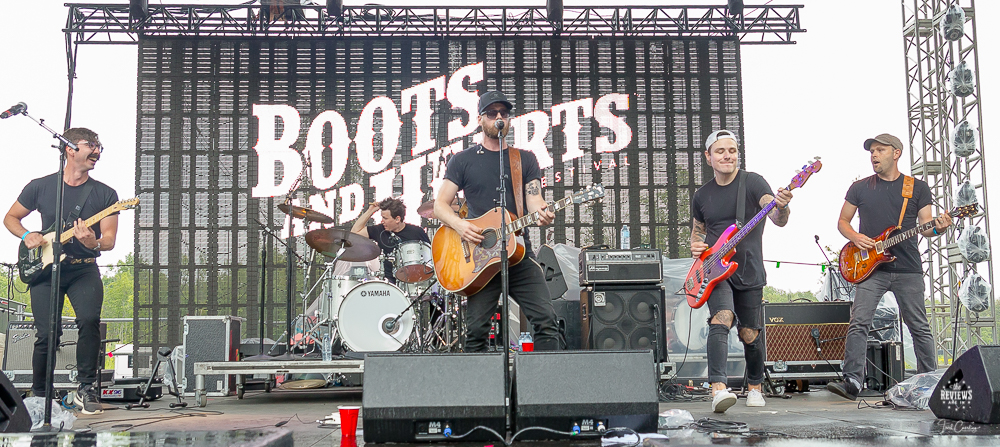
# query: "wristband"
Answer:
x=26 y=233
x=936 y=232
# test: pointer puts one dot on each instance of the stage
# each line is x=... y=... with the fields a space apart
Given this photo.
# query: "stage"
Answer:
x=816 y=417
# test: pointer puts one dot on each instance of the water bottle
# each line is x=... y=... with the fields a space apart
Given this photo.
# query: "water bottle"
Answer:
x=626 y=244
x=527 y=344
x=326 y=348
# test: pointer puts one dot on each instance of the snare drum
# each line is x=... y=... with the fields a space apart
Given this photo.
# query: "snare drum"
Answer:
x=414 y=262
x=365 y=315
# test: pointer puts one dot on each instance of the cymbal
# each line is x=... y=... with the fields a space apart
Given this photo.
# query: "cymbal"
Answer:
x=329 y=240
x=304 y=213
x=426 y=209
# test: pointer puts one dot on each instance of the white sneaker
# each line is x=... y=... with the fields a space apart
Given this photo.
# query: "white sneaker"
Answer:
x=755 y=399
x=722 y=401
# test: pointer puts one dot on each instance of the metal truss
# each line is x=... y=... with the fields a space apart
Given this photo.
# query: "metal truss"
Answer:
x=933 y=114
x=111 y=24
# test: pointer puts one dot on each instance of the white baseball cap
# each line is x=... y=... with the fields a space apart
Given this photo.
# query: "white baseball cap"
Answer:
x=718 y=135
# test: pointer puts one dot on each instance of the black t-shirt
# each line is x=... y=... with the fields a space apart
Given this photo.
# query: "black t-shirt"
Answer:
x=716 y=206
x=878 y=203
x=474 y=170
x=40 y=194
x=388 y=243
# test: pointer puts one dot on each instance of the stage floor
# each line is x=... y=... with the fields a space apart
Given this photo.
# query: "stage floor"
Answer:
x=816 y=417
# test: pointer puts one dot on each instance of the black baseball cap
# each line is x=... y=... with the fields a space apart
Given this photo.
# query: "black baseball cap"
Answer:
x=492 y=97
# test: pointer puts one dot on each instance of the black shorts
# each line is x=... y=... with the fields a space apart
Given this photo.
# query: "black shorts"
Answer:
x=747 y=304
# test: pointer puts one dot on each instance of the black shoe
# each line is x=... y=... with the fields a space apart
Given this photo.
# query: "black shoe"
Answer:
x=845 y=389
x=86 y=398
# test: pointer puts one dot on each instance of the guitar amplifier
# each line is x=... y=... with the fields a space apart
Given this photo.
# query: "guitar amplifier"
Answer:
x=21 y=343
x=792 y=331
x=604 y=266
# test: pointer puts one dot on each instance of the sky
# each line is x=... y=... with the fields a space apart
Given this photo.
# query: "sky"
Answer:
x=841 y=83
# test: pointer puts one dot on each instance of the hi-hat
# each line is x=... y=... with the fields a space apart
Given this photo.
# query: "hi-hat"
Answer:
x=304 y=213
x=426 y=209
x=329 y=241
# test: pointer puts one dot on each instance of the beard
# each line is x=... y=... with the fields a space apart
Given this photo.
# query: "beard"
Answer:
x=490 y=131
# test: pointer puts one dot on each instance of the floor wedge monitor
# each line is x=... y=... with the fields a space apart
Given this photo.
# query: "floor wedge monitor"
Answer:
x=586 y=391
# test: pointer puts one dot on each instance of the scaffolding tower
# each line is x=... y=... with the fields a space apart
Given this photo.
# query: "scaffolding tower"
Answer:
x=934 y=113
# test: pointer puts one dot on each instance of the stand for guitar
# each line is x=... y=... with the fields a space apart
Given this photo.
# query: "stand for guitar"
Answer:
x=170 y=382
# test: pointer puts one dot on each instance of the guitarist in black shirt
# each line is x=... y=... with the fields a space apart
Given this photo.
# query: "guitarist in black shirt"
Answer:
x=80 y=277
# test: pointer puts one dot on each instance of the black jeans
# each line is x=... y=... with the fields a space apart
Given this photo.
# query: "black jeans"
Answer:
x=528 y=289
x=82 y=282
x=748 y=307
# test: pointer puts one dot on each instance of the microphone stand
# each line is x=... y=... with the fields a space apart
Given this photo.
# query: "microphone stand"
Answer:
x=54 y=297
x=504 y=272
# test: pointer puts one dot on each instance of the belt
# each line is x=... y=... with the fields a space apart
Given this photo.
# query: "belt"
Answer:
x=81 y=261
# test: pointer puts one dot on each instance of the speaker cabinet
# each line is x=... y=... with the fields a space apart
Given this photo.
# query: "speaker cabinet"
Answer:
x=618 y=317
x=885 y=365
x=415 y=397
x=588 y=389
x=793 y=330
x=554 y=278
x=21 y=344
x=568 y=320
x=970 y=388
x=14 y=417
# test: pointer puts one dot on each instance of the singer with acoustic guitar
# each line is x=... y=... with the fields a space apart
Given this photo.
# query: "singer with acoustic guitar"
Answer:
x=475 y=171
x=734 y=194
x=80 y=278
x=887 y=199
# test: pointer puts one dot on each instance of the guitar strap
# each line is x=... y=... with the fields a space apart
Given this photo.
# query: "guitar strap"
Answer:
x=84 y=194
x=515 y=174
x=907 y=193
x=741 y=199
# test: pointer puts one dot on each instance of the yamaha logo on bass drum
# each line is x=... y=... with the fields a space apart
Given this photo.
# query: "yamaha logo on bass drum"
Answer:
x=376 y=292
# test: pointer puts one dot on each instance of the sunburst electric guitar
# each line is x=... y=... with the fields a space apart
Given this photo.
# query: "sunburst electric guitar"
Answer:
x=32 y=263
x=713 y=265
x=465 y=268
x=857 y=264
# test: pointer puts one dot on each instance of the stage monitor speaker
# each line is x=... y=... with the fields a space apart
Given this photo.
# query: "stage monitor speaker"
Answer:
x=14 y=417
x=138 y=9
x=568 y=320
x=416 y=397
x=970 y=388
x=587 y=389
x=793 y=330
x=554 y=278
x=619 y=317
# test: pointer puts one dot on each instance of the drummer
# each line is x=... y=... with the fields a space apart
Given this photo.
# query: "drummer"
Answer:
x=391 y=232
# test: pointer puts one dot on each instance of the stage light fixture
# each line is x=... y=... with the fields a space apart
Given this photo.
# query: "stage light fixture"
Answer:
x=138 y=9
x=974 y=245
x=975 y=292
x=965 y=139
x=962 y=80
x=554 y=12
x=335 y=8
x=953 y=23
x=735 y=8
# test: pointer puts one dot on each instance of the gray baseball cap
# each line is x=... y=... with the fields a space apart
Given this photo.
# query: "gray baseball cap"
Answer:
x=884 y=139
x=492 y=97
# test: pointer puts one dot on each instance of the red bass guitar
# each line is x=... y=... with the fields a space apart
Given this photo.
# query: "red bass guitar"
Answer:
x=713 y=265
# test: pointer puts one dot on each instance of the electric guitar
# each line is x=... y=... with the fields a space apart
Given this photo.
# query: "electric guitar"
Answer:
x=857 y=264
x=713 y=265
x=465 y=268
x=32 y=263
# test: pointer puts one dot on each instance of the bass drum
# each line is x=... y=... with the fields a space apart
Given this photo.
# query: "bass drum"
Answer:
x=366 y=318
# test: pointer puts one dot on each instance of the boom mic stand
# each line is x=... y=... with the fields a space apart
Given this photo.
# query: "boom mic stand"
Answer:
x=54 y=297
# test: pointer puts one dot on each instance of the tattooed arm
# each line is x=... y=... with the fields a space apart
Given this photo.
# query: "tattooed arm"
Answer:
x=698 y=234
x=535 y=202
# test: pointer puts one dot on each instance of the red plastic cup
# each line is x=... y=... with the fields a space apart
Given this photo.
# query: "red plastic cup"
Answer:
x=348 y=441
x=528 y=346
x=348 y=420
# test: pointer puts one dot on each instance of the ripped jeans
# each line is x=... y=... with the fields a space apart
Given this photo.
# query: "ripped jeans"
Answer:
x=745 y=310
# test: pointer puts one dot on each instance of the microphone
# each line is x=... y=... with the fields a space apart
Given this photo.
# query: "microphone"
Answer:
x=18 y=109
x=815 y=335
x=499 y=125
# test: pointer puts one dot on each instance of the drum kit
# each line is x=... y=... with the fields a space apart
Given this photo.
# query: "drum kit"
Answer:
x=357 y=308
